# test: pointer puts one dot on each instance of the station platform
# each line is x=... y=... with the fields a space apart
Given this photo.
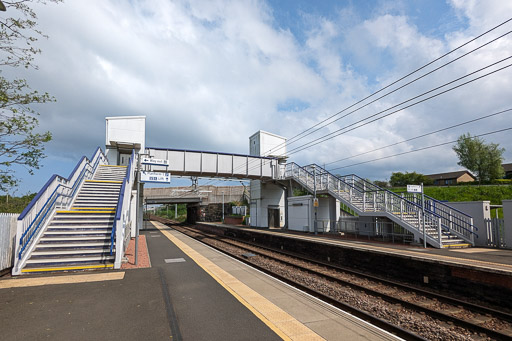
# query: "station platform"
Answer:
x=190 y=292
x=490 y=259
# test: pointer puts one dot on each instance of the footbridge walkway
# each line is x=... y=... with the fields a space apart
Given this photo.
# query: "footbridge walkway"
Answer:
x=213 y=164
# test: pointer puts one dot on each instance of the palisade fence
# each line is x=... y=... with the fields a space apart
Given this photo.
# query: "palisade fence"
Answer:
x=495 y=229
x=8 y=223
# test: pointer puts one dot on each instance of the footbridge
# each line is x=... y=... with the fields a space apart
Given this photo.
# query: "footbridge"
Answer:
x=84 y=221
x=183 y=162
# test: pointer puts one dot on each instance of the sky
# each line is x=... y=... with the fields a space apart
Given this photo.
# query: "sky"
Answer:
x=208 y=74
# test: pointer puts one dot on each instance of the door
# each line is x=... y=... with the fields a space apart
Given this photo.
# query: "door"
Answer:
x=124 y=159
x=273 y=217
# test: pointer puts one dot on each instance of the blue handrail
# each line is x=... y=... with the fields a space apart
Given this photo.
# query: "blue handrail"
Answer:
x=119 y=207
x=47 y=205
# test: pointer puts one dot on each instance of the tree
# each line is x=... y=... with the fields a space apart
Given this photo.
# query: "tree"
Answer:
x=484 y=160
x=19 y=143
x=399 y=179
x=382 y=184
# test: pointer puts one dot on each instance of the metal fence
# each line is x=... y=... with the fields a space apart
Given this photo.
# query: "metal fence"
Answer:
x=7 y=239
x=495 y=231
x=384 y=231
x=241 y=210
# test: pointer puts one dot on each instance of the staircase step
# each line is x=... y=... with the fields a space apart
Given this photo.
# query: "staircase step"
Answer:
x=77 y=232
x=82 y=266
x=70 y=252
x=73 y=245
x=74 y=238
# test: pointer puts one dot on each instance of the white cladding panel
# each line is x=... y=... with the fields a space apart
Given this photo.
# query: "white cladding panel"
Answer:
x=225 y=164
x=129 y=129
x=210 y=163
x=193 y=162
x=300 y=213
x=239 y=164
x=176 y=161
x=263 y=143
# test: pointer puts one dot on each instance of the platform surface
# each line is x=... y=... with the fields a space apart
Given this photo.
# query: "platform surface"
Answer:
x=499 y=260
x=191 y=292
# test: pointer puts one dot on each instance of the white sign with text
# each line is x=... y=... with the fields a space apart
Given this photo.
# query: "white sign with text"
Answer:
x=414 y=188
x=155 y=177
x=156 y=162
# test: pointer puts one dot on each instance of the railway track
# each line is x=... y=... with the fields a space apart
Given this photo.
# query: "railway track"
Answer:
x=406 y=311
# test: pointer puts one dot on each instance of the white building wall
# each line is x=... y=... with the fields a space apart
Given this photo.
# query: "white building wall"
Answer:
x=301 y=214
x=479 y=210
x=266 y=195
x=124 y=130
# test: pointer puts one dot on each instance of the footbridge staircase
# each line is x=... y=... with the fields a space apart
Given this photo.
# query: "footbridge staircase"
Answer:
x=81 y=222
x=444 y=226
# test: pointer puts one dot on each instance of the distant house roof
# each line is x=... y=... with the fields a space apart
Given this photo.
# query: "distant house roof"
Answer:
x=507 y=167
x=450 y=175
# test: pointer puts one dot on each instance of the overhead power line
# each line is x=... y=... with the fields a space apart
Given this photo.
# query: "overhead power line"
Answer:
x=291 y=140
x=340 y=131
x=420 y=136
x=417 y=150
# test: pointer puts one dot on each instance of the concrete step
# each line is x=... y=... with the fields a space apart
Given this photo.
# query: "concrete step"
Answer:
x=74 y=238
x=81 y=223
x=57 y=253
x=73 y=245
x=78 y=232
x=57 y=260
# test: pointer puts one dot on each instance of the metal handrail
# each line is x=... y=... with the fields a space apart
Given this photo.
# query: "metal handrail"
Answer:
x=119 y=207
x=379 y=199
x=62 y=190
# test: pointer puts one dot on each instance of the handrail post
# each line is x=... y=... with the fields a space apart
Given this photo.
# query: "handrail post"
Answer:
x=450 y=220
x=402 y=207
x=385 y=201
x=472 y=233
x=374 y=202
x=439 y=233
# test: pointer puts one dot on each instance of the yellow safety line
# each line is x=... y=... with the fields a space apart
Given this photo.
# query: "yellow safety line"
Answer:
x=19 y=282
x=104 y=211
x=109 y=208
x=103 y=266
x=112 y=166
x=452 y=245
x=105 y=181
x=283 y=324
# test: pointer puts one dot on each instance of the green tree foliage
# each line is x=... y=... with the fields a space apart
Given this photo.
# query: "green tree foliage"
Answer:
x=404 y=179
x=484 y=160
x=19 y=143
x=380 y=183
x=10 y=204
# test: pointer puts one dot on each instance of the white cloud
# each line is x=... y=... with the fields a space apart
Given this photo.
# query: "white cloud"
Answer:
x=208 y=74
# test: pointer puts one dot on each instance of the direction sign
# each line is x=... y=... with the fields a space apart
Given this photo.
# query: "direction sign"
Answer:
x=155 y=177
x=155 y=162
x=414 y=188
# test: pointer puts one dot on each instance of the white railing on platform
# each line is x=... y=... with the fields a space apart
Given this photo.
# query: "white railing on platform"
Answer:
x=366 y=198
x=57 y=193
x=8 y=223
